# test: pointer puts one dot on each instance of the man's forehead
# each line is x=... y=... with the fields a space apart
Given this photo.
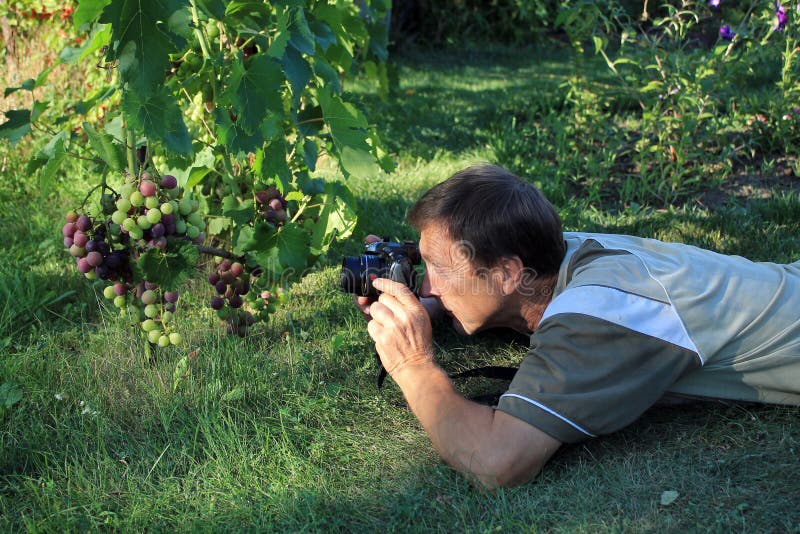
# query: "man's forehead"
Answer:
x=434 y=241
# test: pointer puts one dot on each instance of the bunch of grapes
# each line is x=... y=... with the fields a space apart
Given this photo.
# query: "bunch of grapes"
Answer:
x=271 y=204
x=232 y=284
x=92 y=250
x=149 y=215
x=153 y=308
x=143 y=216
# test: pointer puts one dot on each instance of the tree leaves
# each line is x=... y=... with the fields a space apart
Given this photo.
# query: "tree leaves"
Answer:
x=103 y=144
x=253 y=89
x=280 y=252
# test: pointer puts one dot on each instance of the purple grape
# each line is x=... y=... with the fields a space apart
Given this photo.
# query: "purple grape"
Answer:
x=91 y=245
x=102 y=271
x=235 y=301
x=170 y=307
x=83 y=265
x=68 y=242
x=221 y=287
x=171 y=296
x=80 y=239
x=160 y=242
x=168 y=218
x=68 y=230
x=114 y=260
x=83 y=223
x=157 y=230
x=169 y=182
x=213 y=278
x=94 y=258
x=120 y=289
x=150 y=285
x=103 y=248
x=217 y=303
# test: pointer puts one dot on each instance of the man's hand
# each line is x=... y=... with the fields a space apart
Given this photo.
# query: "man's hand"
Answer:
x=400 y=327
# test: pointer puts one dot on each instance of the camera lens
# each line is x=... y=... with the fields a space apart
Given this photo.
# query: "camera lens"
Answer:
x=356 y=274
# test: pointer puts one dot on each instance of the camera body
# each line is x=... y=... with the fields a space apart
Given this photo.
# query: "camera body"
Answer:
x=382 y=259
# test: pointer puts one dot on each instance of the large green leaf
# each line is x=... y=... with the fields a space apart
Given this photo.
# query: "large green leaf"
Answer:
x=336 y=219
x=350 y=133
x=101 y=33
x=157 y=114
x=17 y=125
x=298 y=72
x=87 y=11
x=242 y=212
x=113 y=154
x=302 y=39
x=232 y=136
x=144 y=33
x=254 y=89
x=282 y=252
x=169 y=269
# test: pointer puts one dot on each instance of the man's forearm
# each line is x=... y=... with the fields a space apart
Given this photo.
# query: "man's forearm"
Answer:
x=460 y=430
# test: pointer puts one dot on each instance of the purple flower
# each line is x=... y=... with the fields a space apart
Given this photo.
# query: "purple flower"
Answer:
x=725 y=32
x=780 y=13
x=714 y=3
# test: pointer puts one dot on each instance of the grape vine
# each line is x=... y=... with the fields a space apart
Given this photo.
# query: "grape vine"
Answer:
x=215 y=116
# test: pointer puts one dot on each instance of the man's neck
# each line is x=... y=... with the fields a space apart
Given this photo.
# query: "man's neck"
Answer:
x=532 y=305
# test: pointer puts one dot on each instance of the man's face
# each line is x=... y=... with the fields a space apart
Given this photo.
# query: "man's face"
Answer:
x=468 y=294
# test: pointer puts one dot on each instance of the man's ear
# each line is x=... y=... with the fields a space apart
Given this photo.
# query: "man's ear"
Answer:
x=510 y=270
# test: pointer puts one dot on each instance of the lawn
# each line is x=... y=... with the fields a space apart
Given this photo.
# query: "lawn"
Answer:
x=285 y=431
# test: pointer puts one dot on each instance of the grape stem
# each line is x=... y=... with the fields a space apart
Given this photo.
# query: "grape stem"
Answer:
x=211 y=251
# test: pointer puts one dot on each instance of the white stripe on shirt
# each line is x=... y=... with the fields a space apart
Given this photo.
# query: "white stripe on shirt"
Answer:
x=641 y=314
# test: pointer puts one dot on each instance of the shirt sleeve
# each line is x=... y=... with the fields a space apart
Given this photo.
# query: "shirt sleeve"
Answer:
x=589 y=374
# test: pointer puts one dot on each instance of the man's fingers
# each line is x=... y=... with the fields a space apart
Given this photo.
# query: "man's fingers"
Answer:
x=372 y=238
x=397 y=290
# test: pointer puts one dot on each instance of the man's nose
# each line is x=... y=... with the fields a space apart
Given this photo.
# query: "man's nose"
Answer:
x=425 y=288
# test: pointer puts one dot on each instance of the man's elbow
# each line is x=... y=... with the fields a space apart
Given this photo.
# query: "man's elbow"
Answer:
x=506 y=473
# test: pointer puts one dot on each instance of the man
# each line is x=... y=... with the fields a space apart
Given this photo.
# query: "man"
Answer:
x=615 y=323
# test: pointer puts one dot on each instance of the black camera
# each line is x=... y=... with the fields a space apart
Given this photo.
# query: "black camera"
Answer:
x=382 y=259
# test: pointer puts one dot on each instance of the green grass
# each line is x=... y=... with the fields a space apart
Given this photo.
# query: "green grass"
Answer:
x=285 y=431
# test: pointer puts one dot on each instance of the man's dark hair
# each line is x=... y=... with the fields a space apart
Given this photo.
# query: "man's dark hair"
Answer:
x=497 y=214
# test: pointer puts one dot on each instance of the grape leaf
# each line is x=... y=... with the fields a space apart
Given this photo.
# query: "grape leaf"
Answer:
x=87 y=11
x=55 y=154
x=17 y=125
x=145 y=32
x=282 y=253
x=168 y=269
x=217 y=225
x=232 y=137
x=241 y=212
x=297 y=72
x=336 y=219
x=103 y=144
x=281 y=37
x=302 y=39
x=101 y=33
x=159 y=116
x=322 y=34
x=254 y=89
x=270 y=164
x=213 y=8
x=349 y=130
x=27 y=85
x=182 y=370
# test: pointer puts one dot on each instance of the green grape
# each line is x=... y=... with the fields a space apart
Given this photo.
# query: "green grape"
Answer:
x=194 y=219
x=175 y=338
x=154 y=335
x=163 y=341
x=151 y=310
x=166 y=317
x=143 y=222
x=180 y=227
x=119 y=216
x=108 y=292
x=185 y=206
x=153 y=215
x=129 y=224
x=125 y=192
x=192 y=231
x=151 y=202
x=149 y=297
x=136 y=232
x=149 y=325
x=137 y=199
x=123 y=205
x=167 y=208
x=120 y=301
